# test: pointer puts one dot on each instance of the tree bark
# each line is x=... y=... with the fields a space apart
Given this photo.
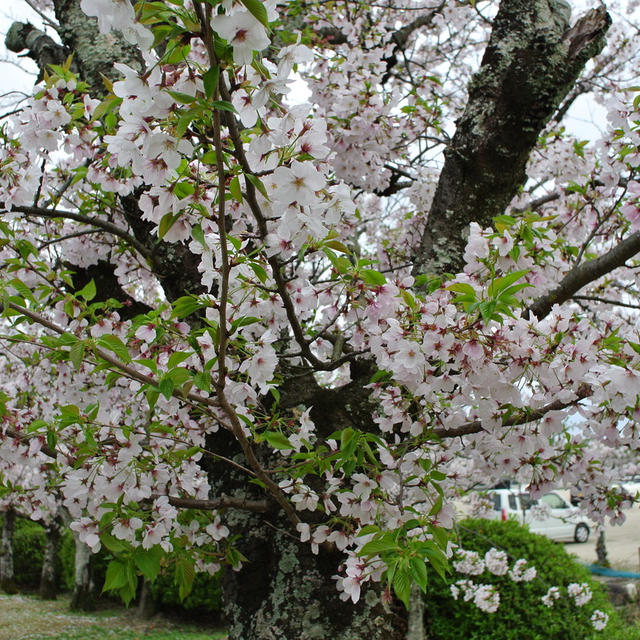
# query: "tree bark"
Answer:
x=531 y=62
x=48 y=580
x=284 y=592
x=146 y=604
x=83 y=597
x=7 y=577
x=601 y=549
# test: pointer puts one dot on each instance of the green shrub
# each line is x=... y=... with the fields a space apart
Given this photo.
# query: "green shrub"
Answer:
x=521 y=614
x=29 y=540
x=205 y=598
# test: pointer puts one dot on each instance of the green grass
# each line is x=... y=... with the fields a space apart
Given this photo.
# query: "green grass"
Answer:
x=100 y=633
x=29 y=618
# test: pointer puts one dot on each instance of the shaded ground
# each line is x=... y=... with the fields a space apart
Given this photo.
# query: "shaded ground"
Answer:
x=28 y=618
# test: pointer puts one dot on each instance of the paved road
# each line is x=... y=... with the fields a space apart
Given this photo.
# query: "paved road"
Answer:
x=622 y=543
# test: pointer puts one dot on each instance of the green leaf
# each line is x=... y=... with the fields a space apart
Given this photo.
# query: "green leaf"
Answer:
x=235 y=190
x=167 y=221
x=221 y=105
x=260 y=271
x=116 y=576
x=257 y=10
x=182 y=98
x=179 y=375
x=176 y=358
x=76 y=354
x=148 y=561
x=499 y=284
x=462 y=287
x=402 y=584
x=115 y=345
x=210 y=80
x=88 y=292
x=377 y=547
x=372 y=277
x=256 y=182
x=185 y=306
x=419 y=572
x=185 y=575
x=114 y=544
x=22 y=289
x=166 y=387
x=244 y=321
x=277 y=440
x=337 y=245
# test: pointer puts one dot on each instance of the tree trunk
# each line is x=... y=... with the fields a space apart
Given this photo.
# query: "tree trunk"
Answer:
x=84 y=592
x=146 y=604
x=601 y=550
x=531 y=62
x=48 y=583
x=7 y=578
x=285 y=592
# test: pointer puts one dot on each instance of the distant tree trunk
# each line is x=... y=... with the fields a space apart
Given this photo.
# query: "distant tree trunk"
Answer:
x=415 y=630
x=146 y=604
x=7 y=579
x=48 y=584
x=601 y=550
x=84 y=593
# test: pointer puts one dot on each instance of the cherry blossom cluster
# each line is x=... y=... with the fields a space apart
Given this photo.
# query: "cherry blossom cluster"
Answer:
x=303 y=255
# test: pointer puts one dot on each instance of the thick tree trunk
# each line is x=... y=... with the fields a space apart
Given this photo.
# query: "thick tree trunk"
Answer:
x=285 y=592
x=7 y=578
x=48 y=580
x=83 y=597
x=531 y=62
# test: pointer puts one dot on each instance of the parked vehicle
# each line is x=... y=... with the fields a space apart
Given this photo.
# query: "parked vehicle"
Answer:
x=551 y=515
x=632 y=485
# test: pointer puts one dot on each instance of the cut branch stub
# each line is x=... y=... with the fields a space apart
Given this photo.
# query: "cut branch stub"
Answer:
x=39 y=46
x=531 y=62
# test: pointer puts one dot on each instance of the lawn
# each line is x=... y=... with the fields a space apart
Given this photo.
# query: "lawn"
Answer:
x=29 y=618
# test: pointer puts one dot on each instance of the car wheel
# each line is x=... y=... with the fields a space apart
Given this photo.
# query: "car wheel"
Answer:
x=581 y=533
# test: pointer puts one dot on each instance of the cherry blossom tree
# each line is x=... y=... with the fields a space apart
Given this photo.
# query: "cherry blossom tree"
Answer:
x=274 y=338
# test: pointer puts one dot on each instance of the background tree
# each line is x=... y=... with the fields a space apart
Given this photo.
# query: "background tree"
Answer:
x=278 y=337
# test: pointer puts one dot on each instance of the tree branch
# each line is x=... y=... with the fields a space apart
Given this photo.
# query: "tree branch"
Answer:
x=523 y=417
x=40 y=47
x=79 y=217
x=583 y=274
x=259 y=506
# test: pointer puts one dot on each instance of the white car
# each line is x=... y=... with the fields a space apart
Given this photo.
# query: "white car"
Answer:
x=551 y=515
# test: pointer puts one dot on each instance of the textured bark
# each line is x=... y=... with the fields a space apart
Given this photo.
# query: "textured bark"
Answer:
x=530 y=64
x=83 y=597
x=40 y=47
x=48 y=583
x=285 y=592
x=584 y=273
x=7 y=578
x=94 y=54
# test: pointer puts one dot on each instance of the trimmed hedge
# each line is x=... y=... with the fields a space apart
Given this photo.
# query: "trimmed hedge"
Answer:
x=29 y=540
x=205 y=599
x=521 y=614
